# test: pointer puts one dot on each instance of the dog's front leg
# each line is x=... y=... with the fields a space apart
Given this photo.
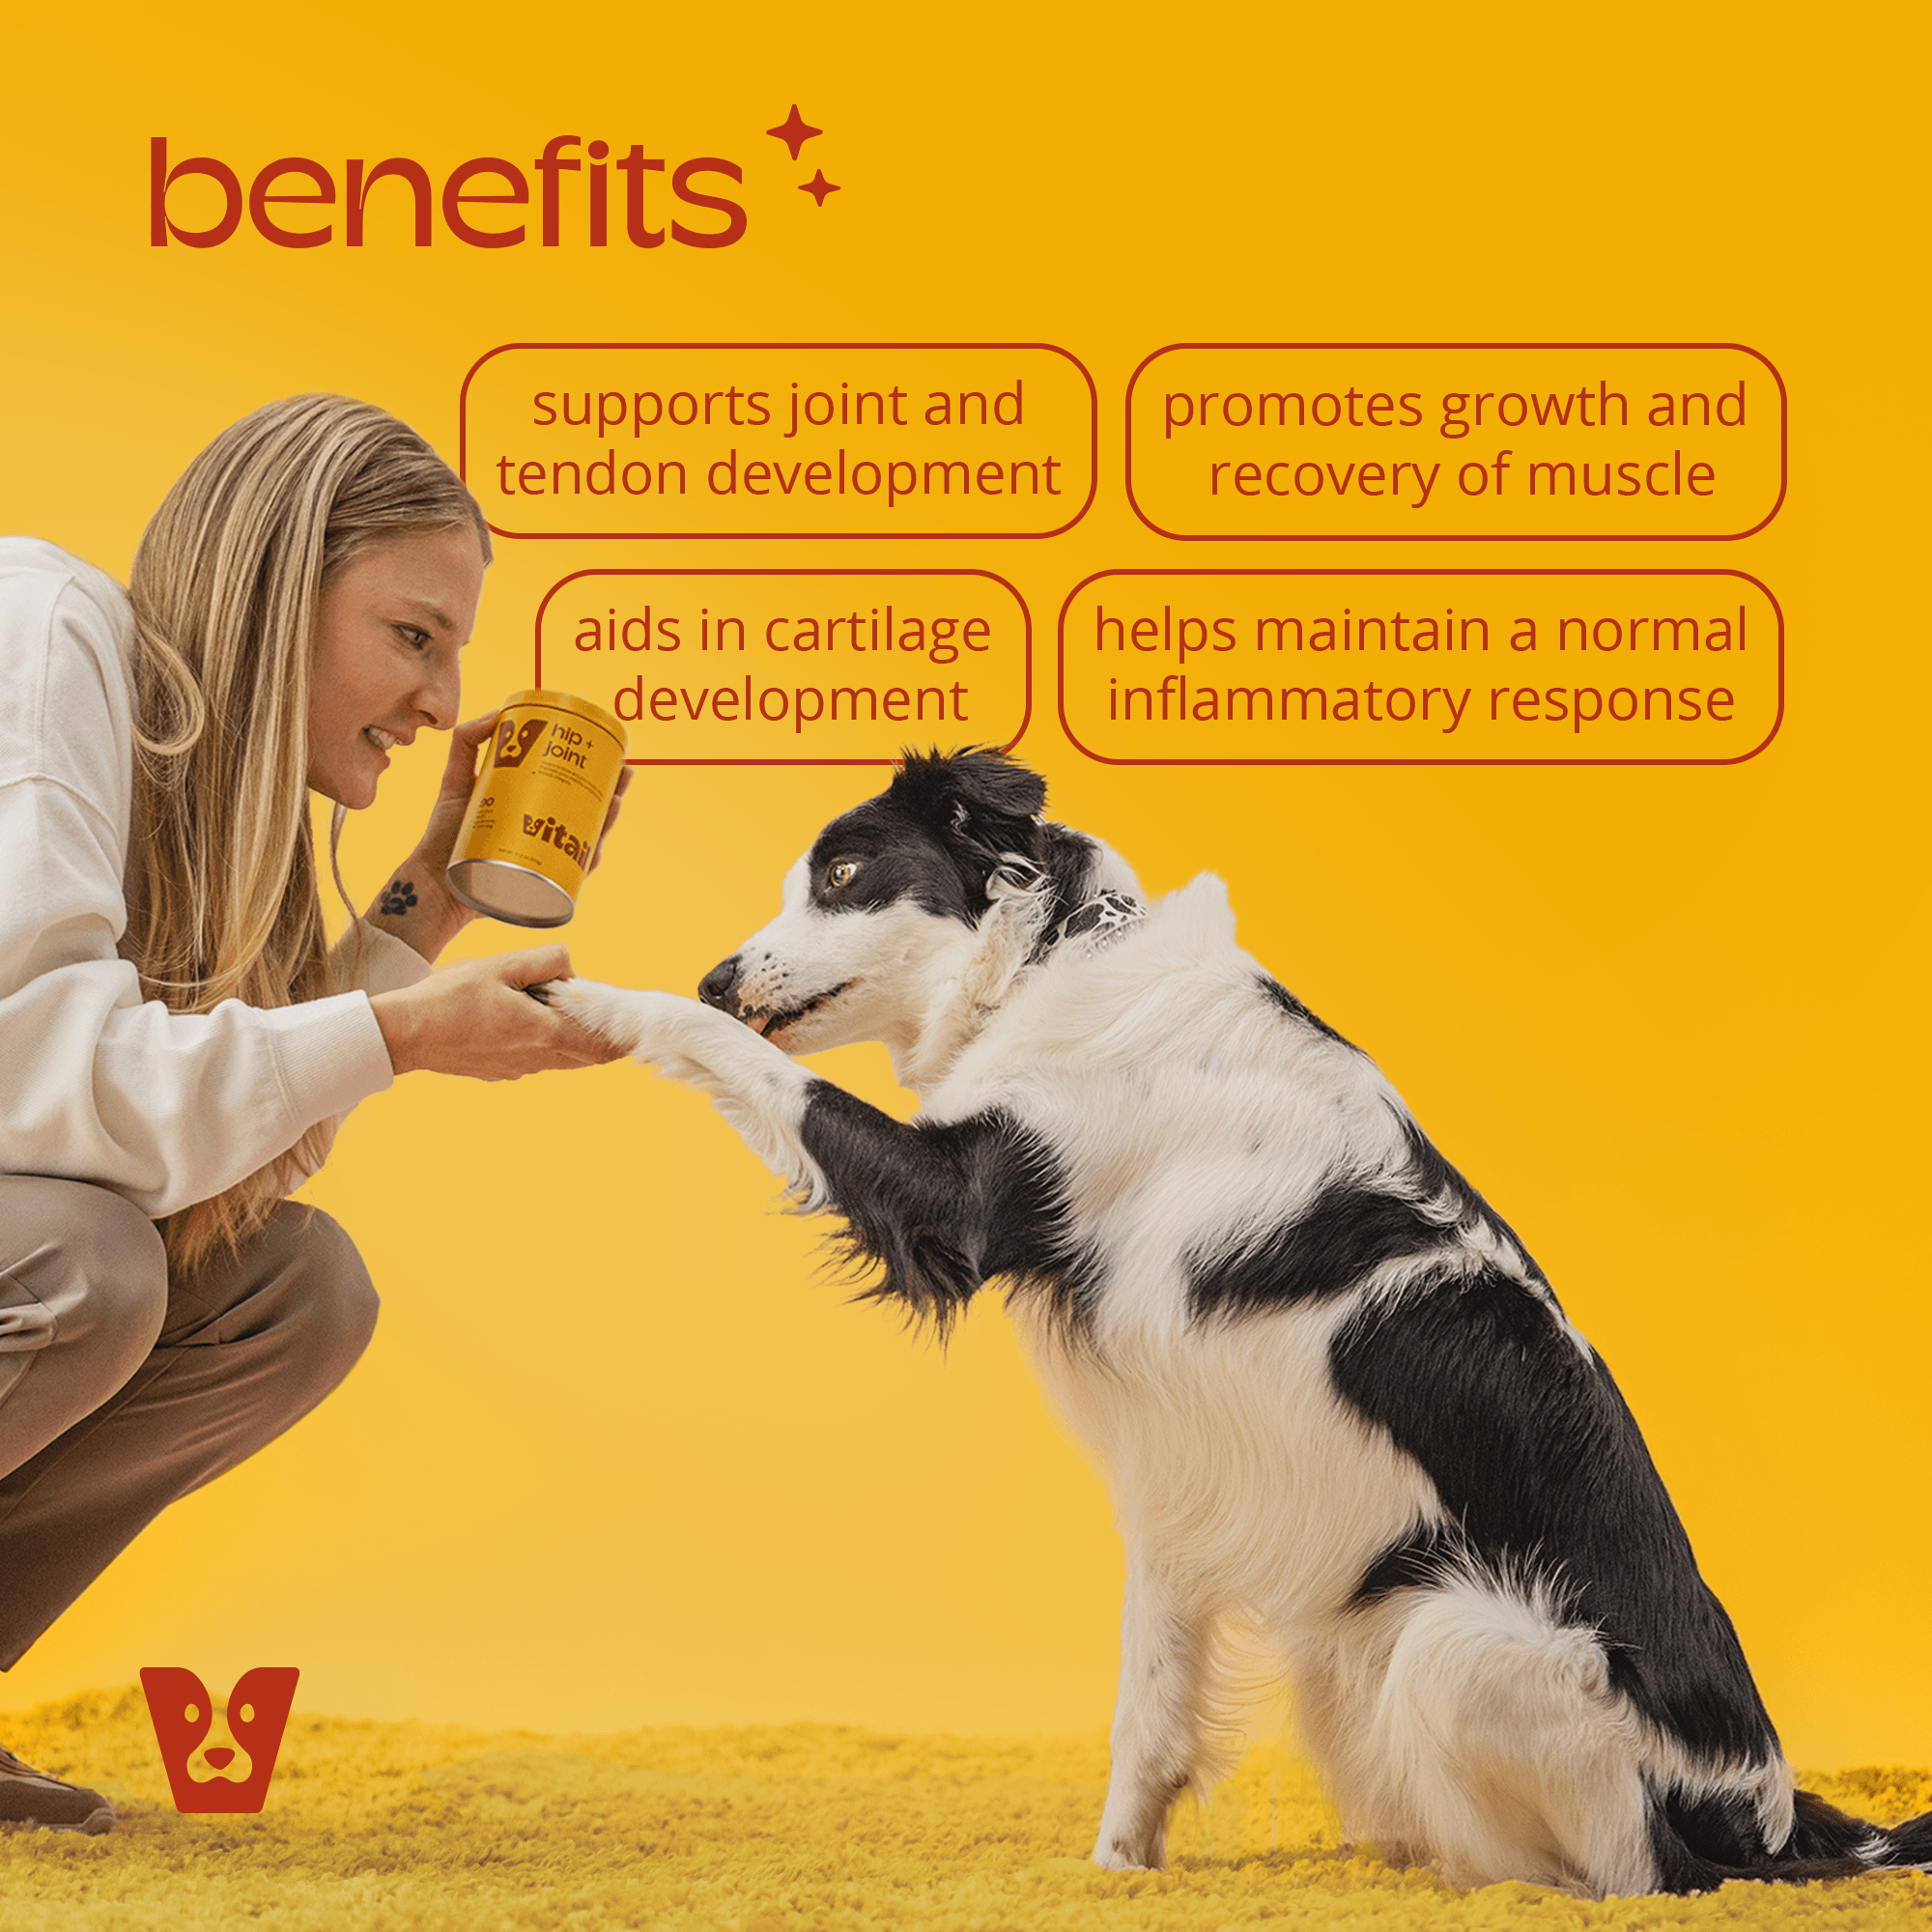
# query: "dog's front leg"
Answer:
x=1156 y=1741
x=760 y=1090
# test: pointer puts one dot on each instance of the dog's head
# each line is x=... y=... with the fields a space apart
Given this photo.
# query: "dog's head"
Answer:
x=931 y=896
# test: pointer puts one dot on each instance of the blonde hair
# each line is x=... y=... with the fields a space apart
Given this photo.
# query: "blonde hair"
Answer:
x=225 y=899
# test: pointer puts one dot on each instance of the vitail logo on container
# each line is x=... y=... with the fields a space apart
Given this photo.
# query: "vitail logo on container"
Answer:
x=218 y=1775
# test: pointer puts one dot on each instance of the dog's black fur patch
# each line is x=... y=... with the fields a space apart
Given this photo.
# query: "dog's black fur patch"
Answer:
x=1911 y=1843
x=938 y=833
x=1539 y=1463
x=1418 y=1561
x=1295 y=1010
x=1700 y=1843
x=942 y=1209
x=1721 y=1827
x=1346 y=1232
x=935 y=836
x=897 y=858
x=1433 y=1178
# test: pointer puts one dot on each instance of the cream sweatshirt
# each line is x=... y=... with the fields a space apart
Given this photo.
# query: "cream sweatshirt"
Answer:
x=96 y=1083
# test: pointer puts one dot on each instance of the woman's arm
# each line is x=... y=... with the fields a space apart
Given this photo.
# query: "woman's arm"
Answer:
x=98 y=1083
x=101 y=1084
x=475 y=1018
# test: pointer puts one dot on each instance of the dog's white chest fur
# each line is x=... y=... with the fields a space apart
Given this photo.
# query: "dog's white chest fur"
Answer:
x=1179 y=1111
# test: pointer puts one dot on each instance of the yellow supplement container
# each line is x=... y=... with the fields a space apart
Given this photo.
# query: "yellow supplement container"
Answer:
x=537 y=807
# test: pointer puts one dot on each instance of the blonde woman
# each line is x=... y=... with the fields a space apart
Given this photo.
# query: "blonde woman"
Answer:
x=177 y=1041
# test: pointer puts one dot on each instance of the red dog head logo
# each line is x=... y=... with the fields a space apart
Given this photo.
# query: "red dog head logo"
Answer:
x=513 y=742
x=231 y=1776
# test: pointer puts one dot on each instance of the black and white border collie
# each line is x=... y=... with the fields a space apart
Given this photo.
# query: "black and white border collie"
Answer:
x=1337 y=1400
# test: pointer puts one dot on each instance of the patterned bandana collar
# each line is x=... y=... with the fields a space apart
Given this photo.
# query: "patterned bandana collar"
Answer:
x=1099 y=922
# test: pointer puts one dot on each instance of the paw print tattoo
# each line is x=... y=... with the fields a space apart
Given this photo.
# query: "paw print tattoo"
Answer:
x=398 y=896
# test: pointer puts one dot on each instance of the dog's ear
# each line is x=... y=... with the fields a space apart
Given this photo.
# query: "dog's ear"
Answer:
x=979 y=805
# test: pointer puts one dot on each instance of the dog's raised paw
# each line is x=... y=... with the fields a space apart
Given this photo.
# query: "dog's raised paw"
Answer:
x=640 y=1022
x=604 y=1010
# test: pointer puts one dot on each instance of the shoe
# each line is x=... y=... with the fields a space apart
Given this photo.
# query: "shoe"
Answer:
x=30 y=1797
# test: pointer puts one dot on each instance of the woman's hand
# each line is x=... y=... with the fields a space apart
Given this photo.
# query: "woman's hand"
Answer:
x=625 y=774
x=475 y=1018
x=416 y=905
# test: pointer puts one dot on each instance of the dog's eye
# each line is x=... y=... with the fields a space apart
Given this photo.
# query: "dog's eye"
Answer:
x=842 y=873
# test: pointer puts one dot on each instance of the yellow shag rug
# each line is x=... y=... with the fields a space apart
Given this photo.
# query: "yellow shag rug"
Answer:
x=766 y=1830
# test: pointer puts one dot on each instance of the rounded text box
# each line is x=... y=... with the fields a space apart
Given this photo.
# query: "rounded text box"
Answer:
x=1410 y=441
x=776 y=440
x=1451 y=667
x=792 y=668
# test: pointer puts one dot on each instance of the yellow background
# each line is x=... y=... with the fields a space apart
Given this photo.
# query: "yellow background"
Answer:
x=617 y=1455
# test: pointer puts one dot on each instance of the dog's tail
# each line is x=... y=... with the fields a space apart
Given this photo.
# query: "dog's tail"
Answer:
x=1825 y=1842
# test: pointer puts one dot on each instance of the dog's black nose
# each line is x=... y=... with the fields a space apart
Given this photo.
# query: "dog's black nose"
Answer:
x=715 y=988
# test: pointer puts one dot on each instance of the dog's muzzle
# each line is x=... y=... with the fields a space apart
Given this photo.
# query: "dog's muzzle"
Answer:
x=718 y=985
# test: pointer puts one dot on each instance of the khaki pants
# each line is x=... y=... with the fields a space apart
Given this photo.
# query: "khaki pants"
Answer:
x=122 y=1388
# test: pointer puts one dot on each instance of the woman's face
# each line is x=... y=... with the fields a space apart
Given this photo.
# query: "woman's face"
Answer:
x=388 y=633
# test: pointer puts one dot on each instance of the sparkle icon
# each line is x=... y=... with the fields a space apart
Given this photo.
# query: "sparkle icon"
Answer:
x=818 y=188
x=794 y=130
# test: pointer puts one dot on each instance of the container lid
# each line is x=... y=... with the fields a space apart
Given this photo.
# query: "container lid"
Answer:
x=514 y=894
